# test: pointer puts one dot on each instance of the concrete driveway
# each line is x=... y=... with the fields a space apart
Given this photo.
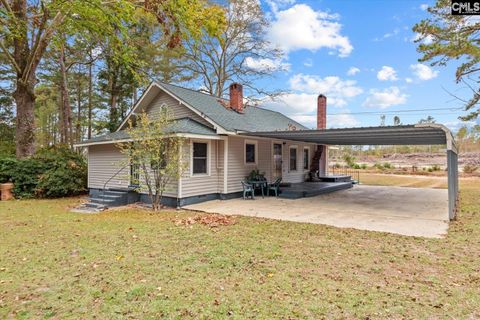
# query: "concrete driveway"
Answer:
x=407 y=211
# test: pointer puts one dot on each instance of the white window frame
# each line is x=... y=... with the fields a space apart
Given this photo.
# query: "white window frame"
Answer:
x=289 y=158
x=208 y=143
x=308 y=158
x=255 y=143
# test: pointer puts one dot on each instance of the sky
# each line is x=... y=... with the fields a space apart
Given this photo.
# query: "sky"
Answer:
x=361 y=55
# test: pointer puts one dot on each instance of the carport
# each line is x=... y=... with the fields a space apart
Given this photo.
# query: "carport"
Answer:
x=419 y=134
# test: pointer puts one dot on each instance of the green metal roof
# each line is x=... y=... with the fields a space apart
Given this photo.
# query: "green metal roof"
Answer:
x=252 y=119
x=183 y=125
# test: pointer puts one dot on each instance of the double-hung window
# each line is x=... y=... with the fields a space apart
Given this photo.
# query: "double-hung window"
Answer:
x=250 y=152
x=293 y=159
x=306 y=158
x=200 y=158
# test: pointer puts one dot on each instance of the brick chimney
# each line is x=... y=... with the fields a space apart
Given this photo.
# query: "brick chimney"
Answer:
x=321 y=112
x=236 y=97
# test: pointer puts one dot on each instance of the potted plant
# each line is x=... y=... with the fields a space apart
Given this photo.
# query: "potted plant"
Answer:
x=255 y=175
x=6 y=185
x=6 y=191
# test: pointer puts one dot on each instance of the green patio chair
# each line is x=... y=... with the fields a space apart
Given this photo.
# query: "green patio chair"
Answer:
x=274 y=186
x=248 y=188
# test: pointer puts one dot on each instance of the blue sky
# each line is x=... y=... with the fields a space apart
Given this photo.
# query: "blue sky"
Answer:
x=361 y=55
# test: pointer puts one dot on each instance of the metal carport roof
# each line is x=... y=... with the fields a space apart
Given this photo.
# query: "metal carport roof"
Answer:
x=418 y=134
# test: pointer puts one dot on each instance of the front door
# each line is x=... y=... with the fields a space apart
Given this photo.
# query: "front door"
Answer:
x=277 y=160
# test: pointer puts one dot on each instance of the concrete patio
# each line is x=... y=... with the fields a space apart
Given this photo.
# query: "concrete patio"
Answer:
x=407 y=211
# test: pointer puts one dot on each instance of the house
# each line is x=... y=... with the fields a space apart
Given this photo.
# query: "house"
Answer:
x=220 y=153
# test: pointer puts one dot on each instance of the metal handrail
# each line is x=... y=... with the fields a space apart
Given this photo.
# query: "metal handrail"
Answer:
x=346 y=171
x=110 y=179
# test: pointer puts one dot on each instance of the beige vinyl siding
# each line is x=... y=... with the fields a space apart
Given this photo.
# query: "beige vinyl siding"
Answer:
x=238 y=170
x=103 y=162
x=194 y=185
x=171 y=190
x=298 y=175
x=179 y=110
x=220 y=165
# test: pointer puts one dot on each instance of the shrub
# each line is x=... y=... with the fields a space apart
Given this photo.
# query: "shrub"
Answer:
x=363 y=166
x=67 y=175
x=52 y=172
x=350 y=160
x=6 y=166
x=387 y=165
x=25 y=176
x=378 y=166
x=470 y=168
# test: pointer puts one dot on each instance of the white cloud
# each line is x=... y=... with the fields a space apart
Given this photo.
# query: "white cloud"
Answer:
x=428 y=39
x=353 y=71
x=423 y=6
x=387 y=74
x=387 y=35
x=333 y=121
x=275 y=4
x=456 y=125
x=342 y=121
x=423 y=72
x=308 y=62
x=408 y=80
x=301 y=27
x=301 y=105
x=263 y=64
x=336 y=89
x=385 y=98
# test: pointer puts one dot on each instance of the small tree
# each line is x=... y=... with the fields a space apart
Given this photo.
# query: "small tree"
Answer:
x=155 y=150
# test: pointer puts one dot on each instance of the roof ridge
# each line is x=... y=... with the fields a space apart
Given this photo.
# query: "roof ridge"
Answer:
x=189 y=89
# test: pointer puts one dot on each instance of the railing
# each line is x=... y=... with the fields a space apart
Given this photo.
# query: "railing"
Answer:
x=355 y=174
x=110 y=179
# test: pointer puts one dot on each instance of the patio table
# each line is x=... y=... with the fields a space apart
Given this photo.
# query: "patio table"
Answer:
x=259 y=184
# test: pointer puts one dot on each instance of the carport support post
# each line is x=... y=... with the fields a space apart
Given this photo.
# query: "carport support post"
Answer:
x=452 y=166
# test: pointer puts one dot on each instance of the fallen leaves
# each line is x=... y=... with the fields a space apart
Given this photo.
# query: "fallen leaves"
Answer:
x=210 y=220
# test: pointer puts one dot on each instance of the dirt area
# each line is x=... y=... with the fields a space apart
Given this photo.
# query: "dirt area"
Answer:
x=407 y=211
x=421 y=159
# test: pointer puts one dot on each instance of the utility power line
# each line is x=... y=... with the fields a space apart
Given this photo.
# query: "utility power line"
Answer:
x=394 y=111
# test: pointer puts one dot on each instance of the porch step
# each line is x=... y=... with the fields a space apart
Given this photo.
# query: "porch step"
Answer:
x=88 y=208
x=312 y=189
x=111 y=198
x=335 y=178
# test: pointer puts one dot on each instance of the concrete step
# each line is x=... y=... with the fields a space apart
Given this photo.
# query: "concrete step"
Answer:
x=105 y=200
x=94 y=205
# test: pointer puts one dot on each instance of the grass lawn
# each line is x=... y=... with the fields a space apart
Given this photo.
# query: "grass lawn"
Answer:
x=134 y=264
x=414 y=181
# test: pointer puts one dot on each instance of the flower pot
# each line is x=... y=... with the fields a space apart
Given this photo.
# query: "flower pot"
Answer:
x=6 y=190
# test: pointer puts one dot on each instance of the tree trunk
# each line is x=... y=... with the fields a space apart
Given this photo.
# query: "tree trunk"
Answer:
x=90 y=92
x=78 y=127
x=113 y=104
x=66 y=109
x=25 y=120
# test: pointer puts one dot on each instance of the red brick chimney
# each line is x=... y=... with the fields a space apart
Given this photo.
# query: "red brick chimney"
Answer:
x=321 y=112
x=236 y=97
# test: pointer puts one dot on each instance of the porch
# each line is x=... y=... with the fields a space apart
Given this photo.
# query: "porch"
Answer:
x=311 y=189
